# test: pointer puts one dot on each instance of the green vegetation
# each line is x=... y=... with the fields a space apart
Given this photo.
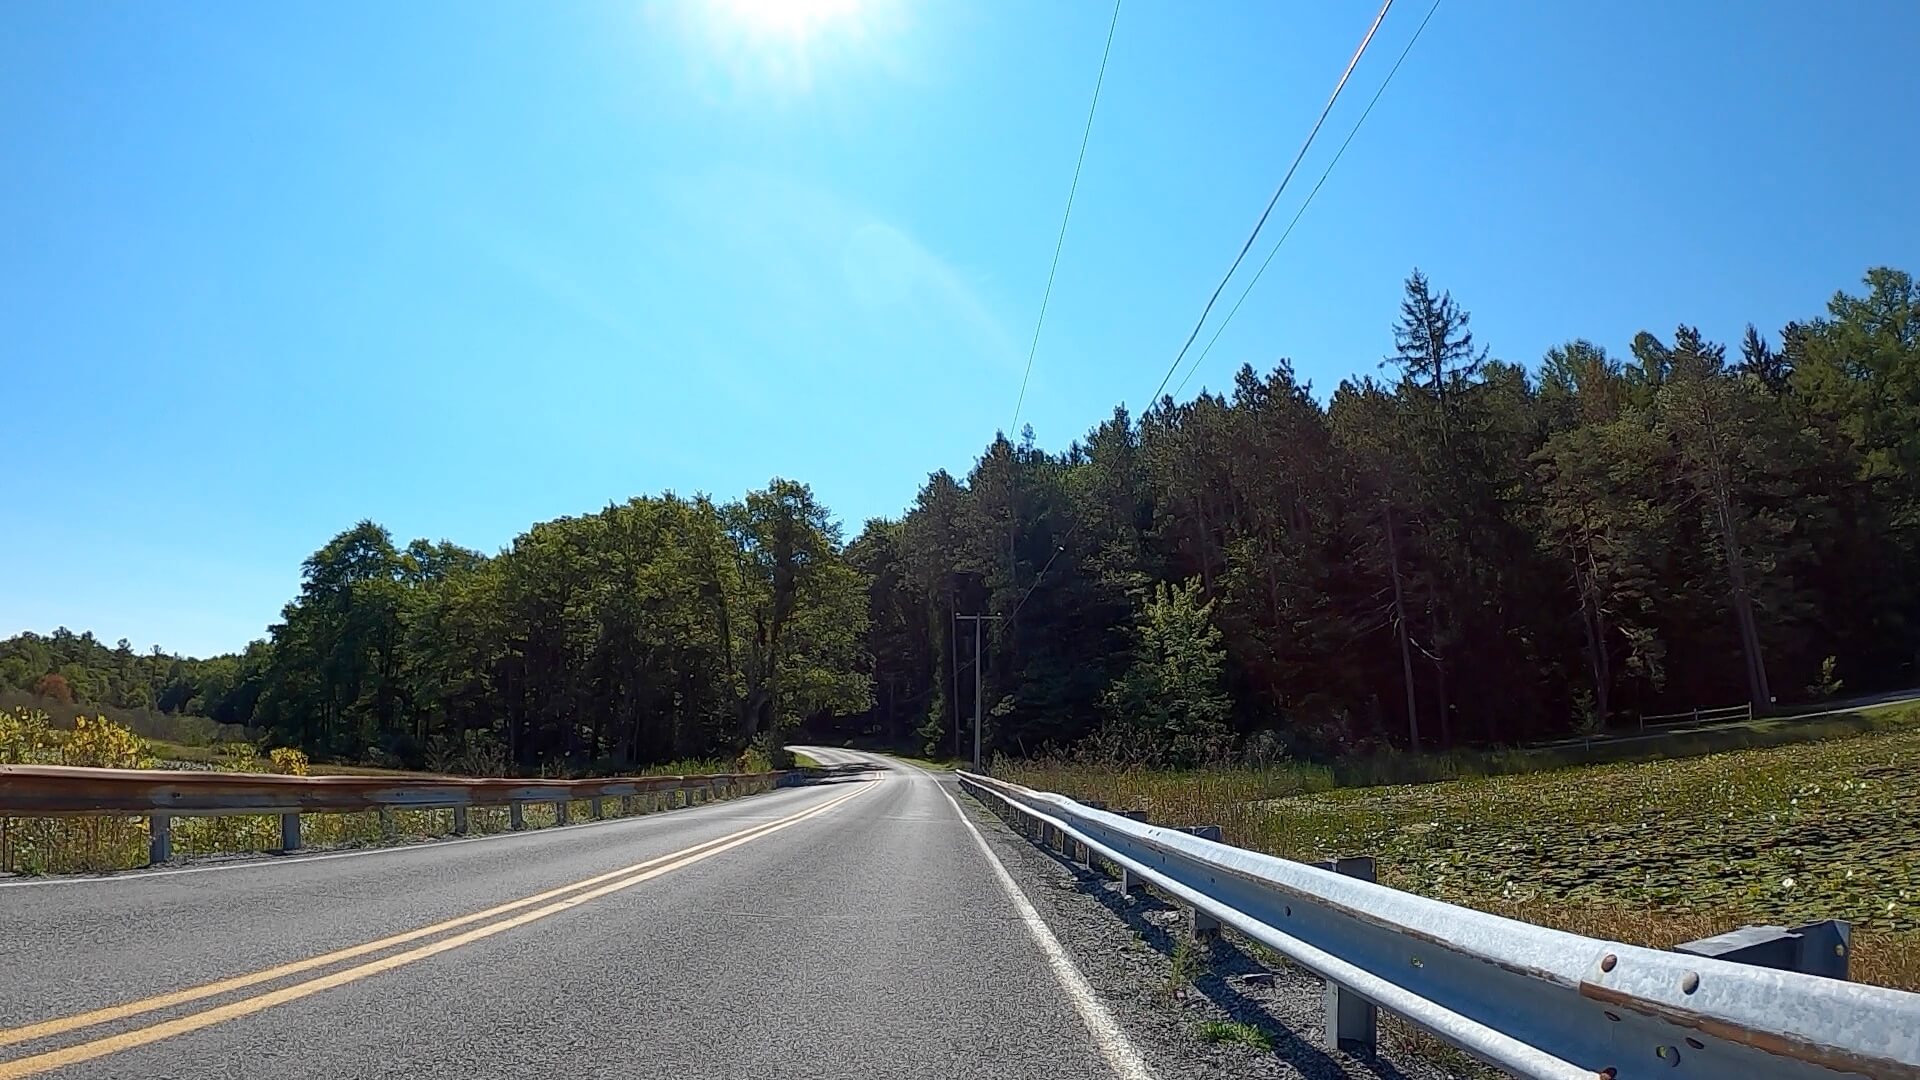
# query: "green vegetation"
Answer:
x=1188 y=962
x=1465 y=552
x=658 y=629
x=1229 y=1031
x=1653 y=853
x=1468 y=552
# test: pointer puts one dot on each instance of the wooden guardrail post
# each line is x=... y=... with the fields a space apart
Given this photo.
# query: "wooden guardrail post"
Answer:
x=599 y=806
x=1352 y=1021
x=386 y=821
x=560 y=812
x=516 y=817
x=290 y=831
x=459 y=821
x=159 y=838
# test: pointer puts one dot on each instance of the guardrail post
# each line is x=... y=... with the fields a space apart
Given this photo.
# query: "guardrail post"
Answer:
x=516 y=817
x=1128 y=882
x=626 y=806
x=1814 y=949
x=560 y=812
x=386 y=821
x=290 y=832
x=1200 y=925
x=1352 y=1021
x=1081 y=852
x=459 y=821
x=159 y=838
x=599 y=808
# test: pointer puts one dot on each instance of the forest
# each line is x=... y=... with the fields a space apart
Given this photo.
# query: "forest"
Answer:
x=1460 y=550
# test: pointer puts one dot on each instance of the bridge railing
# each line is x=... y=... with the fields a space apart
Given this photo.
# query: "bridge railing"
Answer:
x=1533 y=1001
x=162 y=795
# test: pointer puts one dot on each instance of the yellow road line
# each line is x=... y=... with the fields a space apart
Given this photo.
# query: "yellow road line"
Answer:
x=113 y=1044
x=47 y=1028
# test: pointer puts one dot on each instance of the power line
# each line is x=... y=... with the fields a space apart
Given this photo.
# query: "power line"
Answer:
x=1061 y=241
x=1057 y=550
x=1248 y=246
x=1303 y=206
x=1061 y=546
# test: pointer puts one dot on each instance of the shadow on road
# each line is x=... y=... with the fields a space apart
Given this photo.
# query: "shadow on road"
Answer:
x=835 y=774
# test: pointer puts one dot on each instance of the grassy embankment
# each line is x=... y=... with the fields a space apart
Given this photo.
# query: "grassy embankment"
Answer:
x=1647 y=852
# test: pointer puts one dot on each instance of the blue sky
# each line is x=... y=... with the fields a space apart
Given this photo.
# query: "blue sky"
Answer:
x=267 y=269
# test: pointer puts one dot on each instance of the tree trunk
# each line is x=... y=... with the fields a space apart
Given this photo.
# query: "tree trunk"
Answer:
x=1758 y=691
x=1400 y=624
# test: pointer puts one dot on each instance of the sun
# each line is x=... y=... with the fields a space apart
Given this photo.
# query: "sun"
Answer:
x=797 y=19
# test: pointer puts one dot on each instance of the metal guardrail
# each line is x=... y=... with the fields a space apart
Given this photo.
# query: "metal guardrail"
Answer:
x=1532 y=1001
x=1697 y=716
x=161 y=795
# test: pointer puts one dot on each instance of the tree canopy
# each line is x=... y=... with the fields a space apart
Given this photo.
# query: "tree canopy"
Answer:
x=1465 y=549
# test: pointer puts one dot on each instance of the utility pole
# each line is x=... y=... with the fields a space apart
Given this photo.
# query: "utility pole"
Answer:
x=953 y=669
x=978 y=633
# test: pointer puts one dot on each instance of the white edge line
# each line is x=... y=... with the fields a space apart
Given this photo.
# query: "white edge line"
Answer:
x=1108 y=1037
x=263 y=859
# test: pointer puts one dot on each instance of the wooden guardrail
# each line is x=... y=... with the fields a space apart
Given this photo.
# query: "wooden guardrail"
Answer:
x=161 y=795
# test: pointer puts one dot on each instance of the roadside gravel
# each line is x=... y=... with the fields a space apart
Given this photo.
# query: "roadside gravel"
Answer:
x=1129 y=948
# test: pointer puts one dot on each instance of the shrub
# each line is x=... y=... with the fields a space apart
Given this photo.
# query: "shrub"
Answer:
x=103 y=744
x=65 y=845
x=25 y=738
x=288 y=761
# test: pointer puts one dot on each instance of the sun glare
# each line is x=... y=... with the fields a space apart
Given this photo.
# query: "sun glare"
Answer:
x=752 y=47
x=787 y=18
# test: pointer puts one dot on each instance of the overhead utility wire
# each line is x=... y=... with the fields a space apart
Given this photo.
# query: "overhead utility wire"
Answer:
x=1191 y=368
x=1277 y=192
x=1061 y=547
x=1060 y=242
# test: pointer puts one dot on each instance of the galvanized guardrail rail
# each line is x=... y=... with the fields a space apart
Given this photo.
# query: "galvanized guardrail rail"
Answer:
x=1532 y=1001
x=161 y=795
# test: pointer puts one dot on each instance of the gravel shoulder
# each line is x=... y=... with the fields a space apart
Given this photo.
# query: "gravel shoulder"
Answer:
x=1177 y=1001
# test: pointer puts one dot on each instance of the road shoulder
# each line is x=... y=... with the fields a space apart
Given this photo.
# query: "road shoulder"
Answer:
x=1191 y=1013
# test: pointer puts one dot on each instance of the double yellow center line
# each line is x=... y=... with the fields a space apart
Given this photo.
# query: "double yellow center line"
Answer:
x=529 y=909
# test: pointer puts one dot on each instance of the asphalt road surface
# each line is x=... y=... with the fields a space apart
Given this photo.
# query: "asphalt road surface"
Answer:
x=851 y=929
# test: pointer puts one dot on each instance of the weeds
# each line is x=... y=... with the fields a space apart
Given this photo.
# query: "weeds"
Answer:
x=1228 y=1031
x=1189 y=961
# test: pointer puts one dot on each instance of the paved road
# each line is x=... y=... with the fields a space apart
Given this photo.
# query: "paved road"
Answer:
x=850 y=929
